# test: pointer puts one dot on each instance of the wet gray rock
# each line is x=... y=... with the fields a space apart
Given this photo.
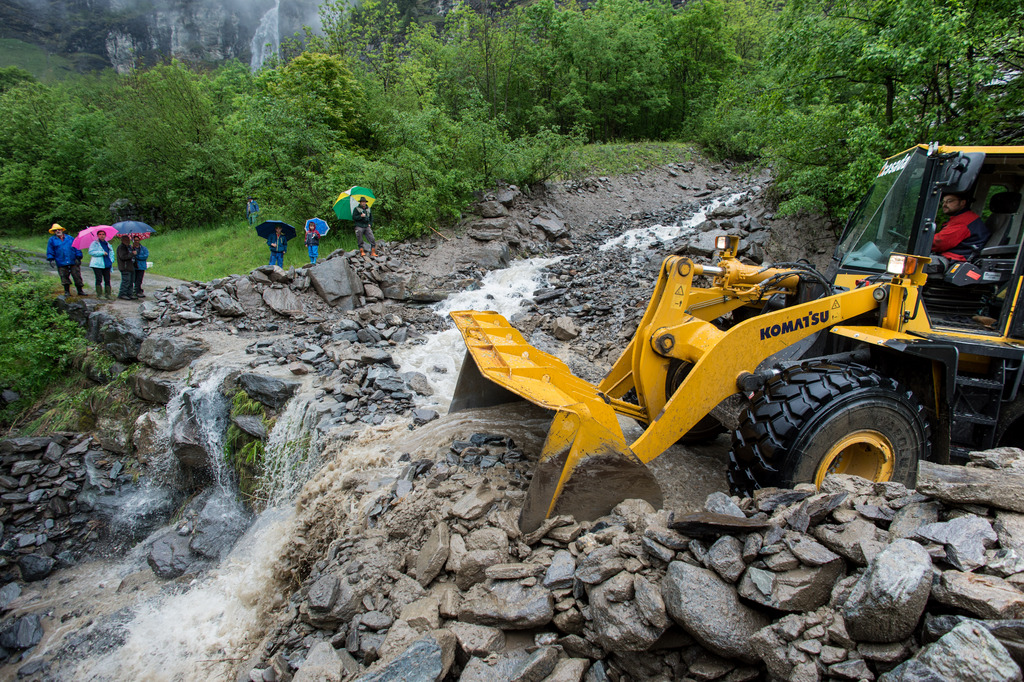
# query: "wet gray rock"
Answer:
x=565 y=329
x=501 y=667
x=599 y=565
x=477 y=640
x=428 y=659
x=507 y=605
x=888 y=600
x=725 y=556
x=720 y=503
x=859 y=540
x=224 y=305
x=619 y=625
x=552 y=227
x=121 y=338
x=21 y=633
x=220 y=523
x=966 y=538
x=283 y=301
x=709 y=609
x=152 y=389
x=250 y=424
x=35 y=567
x=336 y=283
x=561 y=571
x=324 y=663
x=909 y=519
x=969 y=653
x=170 y=556
x=489 y=256
x=798 y=589
x=9 y=593
x=433 y=555
x=271 y=391
x=170 y=352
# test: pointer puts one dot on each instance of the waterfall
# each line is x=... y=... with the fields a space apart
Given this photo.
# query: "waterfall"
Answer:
x=266 y=42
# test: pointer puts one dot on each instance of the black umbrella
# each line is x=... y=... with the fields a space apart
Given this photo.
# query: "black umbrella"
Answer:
x=133 y=227
x=266 y=229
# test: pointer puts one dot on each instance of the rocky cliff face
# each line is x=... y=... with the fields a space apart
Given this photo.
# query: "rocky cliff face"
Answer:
x=129 y=33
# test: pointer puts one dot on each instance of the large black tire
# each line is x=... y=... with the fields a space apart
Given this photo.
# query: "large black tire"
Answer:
x=816 y=419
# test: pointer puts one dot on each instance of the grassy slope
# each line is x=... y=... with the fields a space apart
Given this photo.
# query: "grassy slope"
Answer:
x=205 y=254
x=233 y=247
x=33 y=59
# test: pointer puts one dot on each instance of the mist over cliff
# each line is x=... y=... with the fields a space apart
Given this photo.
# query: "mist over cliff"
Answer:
x=127 y=33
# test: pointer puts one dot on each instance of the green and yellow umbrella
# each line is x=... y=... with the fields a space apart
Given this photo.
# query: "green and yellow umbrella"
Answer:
x=349 y=199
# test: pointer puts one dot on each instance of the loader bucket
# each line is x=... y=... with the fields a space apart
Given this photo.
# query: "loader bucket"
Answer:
x=585 y=467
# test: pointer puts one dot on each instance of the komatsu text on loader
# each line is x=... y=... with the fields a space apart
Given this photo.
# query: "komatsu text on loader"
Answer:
x=881 y=362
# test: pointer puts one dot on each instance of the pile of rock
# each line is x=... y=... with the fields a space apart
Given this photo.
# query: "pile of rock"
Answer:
x=855 y=581
x=48 y=487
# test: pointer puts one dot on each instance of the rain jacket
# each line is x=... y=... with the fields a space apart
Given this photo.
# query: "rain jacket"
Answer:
x=312 y=238
x=141 y=257
x=125 y=258
x=964 y=233
x=104 y=260
x=283 y=243
x=362 y=217
x=62 y=251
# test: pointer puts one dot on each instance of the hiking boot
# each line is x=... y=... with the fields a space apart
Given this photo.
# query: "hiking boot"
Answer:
x=125 y=298
x=106 y=293
x=67 y=291
x=362 y=252
x=373 y=252
x=80 y=292
x=139 y=294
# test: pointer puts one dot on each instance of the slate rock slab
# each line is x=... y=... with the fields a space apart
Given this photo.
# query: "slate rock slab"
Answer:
x=170 y=556
x=427 y=659
x=1002 y=489
x=270 y=391
x=985 y=596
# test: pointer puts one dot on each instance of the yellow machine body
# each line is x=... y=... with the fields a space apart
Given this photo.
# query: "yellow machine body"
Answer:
x=586 y=465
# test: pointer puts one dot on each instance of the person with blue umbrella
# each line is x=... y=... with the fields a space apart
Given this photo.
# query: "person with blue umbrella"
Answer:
x=315 y=228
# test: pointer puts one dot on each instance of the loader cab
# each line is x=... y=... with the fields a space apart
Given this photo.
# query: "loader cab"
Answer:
x=901 y=214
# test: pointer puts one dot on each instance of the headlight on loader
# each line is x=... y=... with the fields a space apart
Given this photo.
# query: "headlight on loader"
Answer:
x=901 y=265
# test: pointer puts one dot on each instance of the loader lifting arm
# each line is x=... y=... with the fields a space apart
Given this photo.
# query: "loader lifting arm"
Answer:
x=586 y=467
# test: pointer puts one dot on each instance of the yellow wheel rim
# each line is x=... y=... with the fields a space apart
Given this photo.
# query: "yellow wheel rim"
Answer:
x=866 y=453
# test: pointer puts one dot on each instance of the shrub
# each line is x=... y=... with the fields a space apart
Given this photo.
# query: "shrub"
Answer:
x=40 y=342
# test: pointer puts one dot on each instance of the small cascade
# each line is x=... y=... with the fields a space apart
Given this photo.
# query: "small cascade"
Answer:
x=440 y=357
x=266 y=42
x=291 y=455
x=643 y=237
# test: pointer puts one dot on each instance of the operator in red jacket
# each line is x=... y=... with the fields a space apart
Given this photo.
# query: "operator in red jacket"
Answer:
x=965 y=232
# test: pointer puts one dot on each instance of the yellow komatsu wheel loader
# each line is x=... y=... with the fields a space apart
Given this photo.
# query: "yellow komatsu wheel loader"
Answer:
x=890 y=357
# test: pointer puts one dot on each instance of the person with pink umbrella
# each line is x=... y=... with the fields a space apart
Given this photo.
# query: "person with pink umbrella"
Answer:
x=102 y=261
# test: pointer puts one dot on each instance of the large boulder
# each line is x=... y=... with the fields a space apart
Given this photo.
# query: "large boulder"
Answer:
x=169 y=556
x=220 y=523
x=170 y=353
x=709 y=609
x=1003 y=489
x=152 y=389
x=270 y=391
x=888 y=600
x=489 y=256
x=121 y=338
x=336 y=283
